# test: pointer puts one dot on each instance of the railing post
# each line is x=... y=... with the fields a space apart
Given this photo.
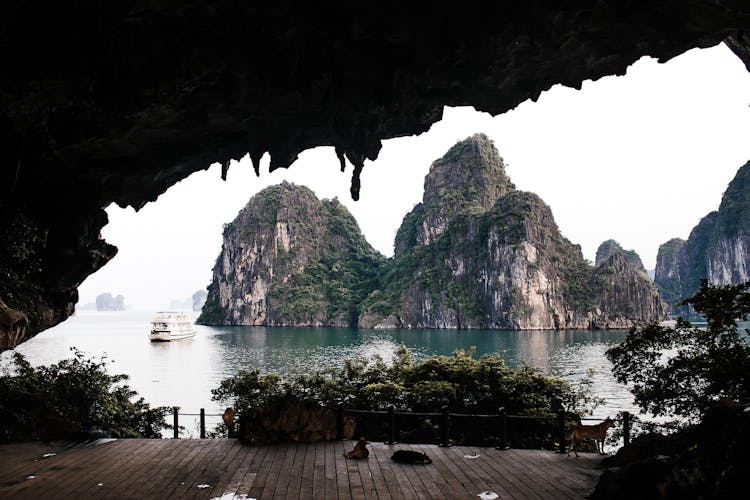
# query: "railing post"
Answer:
x=444 y=427
x=391 y=425
x=175 y=422
x=503 y=429
x=203 y=423
x=626 y=428
x=561 y=430
x=340 y=422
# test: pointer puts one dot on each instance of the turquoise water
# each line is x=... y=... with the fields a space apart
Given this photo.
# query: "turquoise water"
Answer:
x=183 y=373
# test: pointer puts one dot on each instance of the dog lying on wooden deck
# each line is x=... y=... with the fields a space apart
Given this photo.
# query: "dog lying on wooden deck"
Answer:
x=410 y=457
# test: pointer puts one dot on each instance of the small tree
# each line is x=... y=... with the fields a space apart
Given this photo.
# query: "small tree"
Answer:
x=682 y=370
x=73 y=398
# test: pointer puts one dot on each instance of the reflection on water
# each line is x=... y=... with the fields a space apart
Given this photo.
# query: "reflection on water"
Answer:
x=183 y=373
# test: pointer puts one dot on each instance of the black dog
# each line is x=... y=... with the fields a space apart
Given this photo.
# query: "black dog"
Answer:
x=410 y=457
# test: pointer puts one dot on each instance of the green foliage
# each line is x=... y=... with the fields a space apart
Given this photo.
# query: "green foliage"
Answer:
x=734 y=211
x=335 y=285
x=73 y=398
x=609 y=247
x=683 y=370
x=212 y=313
x=669 y=287
x=406 y=236
x=462 y=382
x=580 y=287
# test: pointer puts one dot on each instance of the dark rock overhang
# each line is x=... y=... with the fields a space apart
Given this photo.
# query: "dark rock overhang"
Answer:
x=116 y=101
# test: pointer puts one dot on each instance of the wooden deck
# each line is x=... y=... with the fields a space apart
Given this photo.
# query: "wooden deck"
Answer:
x=219 y=468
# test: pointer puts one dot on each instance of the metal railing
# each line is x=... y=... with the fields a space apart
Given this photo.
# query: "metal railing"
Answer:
x=201 y=419
x=444 y=420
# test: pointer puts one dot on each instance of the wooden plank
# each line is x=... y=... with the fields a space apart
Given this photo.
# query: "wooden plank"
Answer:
x=503 y=481
x=356 y=487
x=187 y=471
x=272 y=462
x=343 y=485
x=216 y=472
x=405 y=488
x=245 y=457
x=18 y=460
x=331 y=487
x=454 y=478
x=201 y=470
x=366 y=479
x=480 y=477
x=415 y=475
x=376 y=472
x=318 y=486
x=225 y=468
x=174 y=468
x=283 y=473
x=436 y=484
x=549 y=481
x=82 y=469
x=513 y=473
x=35 y=476
x=295 y=470
x=308 y=470
x=106 y=471
x=176 y=454
x=580 y=472
x=132 y=469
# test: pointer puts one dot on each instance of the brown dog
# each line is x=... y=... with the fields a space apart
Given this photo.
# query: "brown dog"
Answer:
x=596 y=432
x=360 y=450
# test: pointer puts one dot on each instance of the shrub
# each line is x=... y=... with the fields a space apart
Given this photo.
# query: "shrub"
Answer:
x=462 y=382
x=683 y=370
x=71 y=399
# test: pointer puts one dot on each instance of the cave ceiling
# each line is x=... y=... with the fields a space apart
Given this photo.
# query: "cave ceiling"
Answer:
x=115 y=101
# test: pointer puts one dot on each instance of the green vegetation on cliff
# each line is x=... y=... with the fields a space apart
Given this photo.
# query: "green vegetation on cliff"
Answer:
x=607 y=248
x=335 y=285
x=477 y=253
x=291 y=259
x=667 y=278
x=734 y=211
x=717 y=248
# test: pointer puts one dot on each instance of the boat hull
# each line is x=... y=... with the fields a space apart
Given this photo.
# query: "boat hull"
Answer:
x=168 y=336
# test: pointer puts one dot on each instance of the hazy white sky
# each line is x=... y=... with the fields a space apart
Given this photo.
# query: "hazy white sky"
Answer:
x=639 y=158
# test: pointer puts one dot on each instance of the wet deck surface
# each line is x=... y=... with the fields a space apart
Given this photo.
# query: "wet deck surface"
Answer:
x=192 y=468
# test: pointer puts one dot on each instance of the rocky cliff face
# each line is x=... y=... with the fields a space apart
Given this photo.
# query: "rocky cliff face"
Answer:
x=666 y=274
x=199 y=300
x=498 y=260
x=716 y=250
x=289 y=259
x=609 y=247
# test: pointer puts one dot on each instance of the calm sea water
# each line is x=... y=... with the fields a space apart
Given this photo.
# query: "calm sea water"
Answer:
x=183 y=373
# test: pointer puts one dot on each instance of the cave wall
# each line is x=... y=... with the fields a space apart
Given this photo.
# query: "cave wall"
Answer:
x=106 y=102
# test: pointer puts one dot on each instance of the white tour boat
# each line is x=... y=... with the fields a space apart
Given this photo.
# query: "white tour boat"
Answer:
x=171 y=325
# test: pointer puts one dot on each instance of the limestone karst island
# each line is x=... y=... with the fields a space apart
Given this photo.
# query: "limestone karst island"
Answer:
x=476 y=253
